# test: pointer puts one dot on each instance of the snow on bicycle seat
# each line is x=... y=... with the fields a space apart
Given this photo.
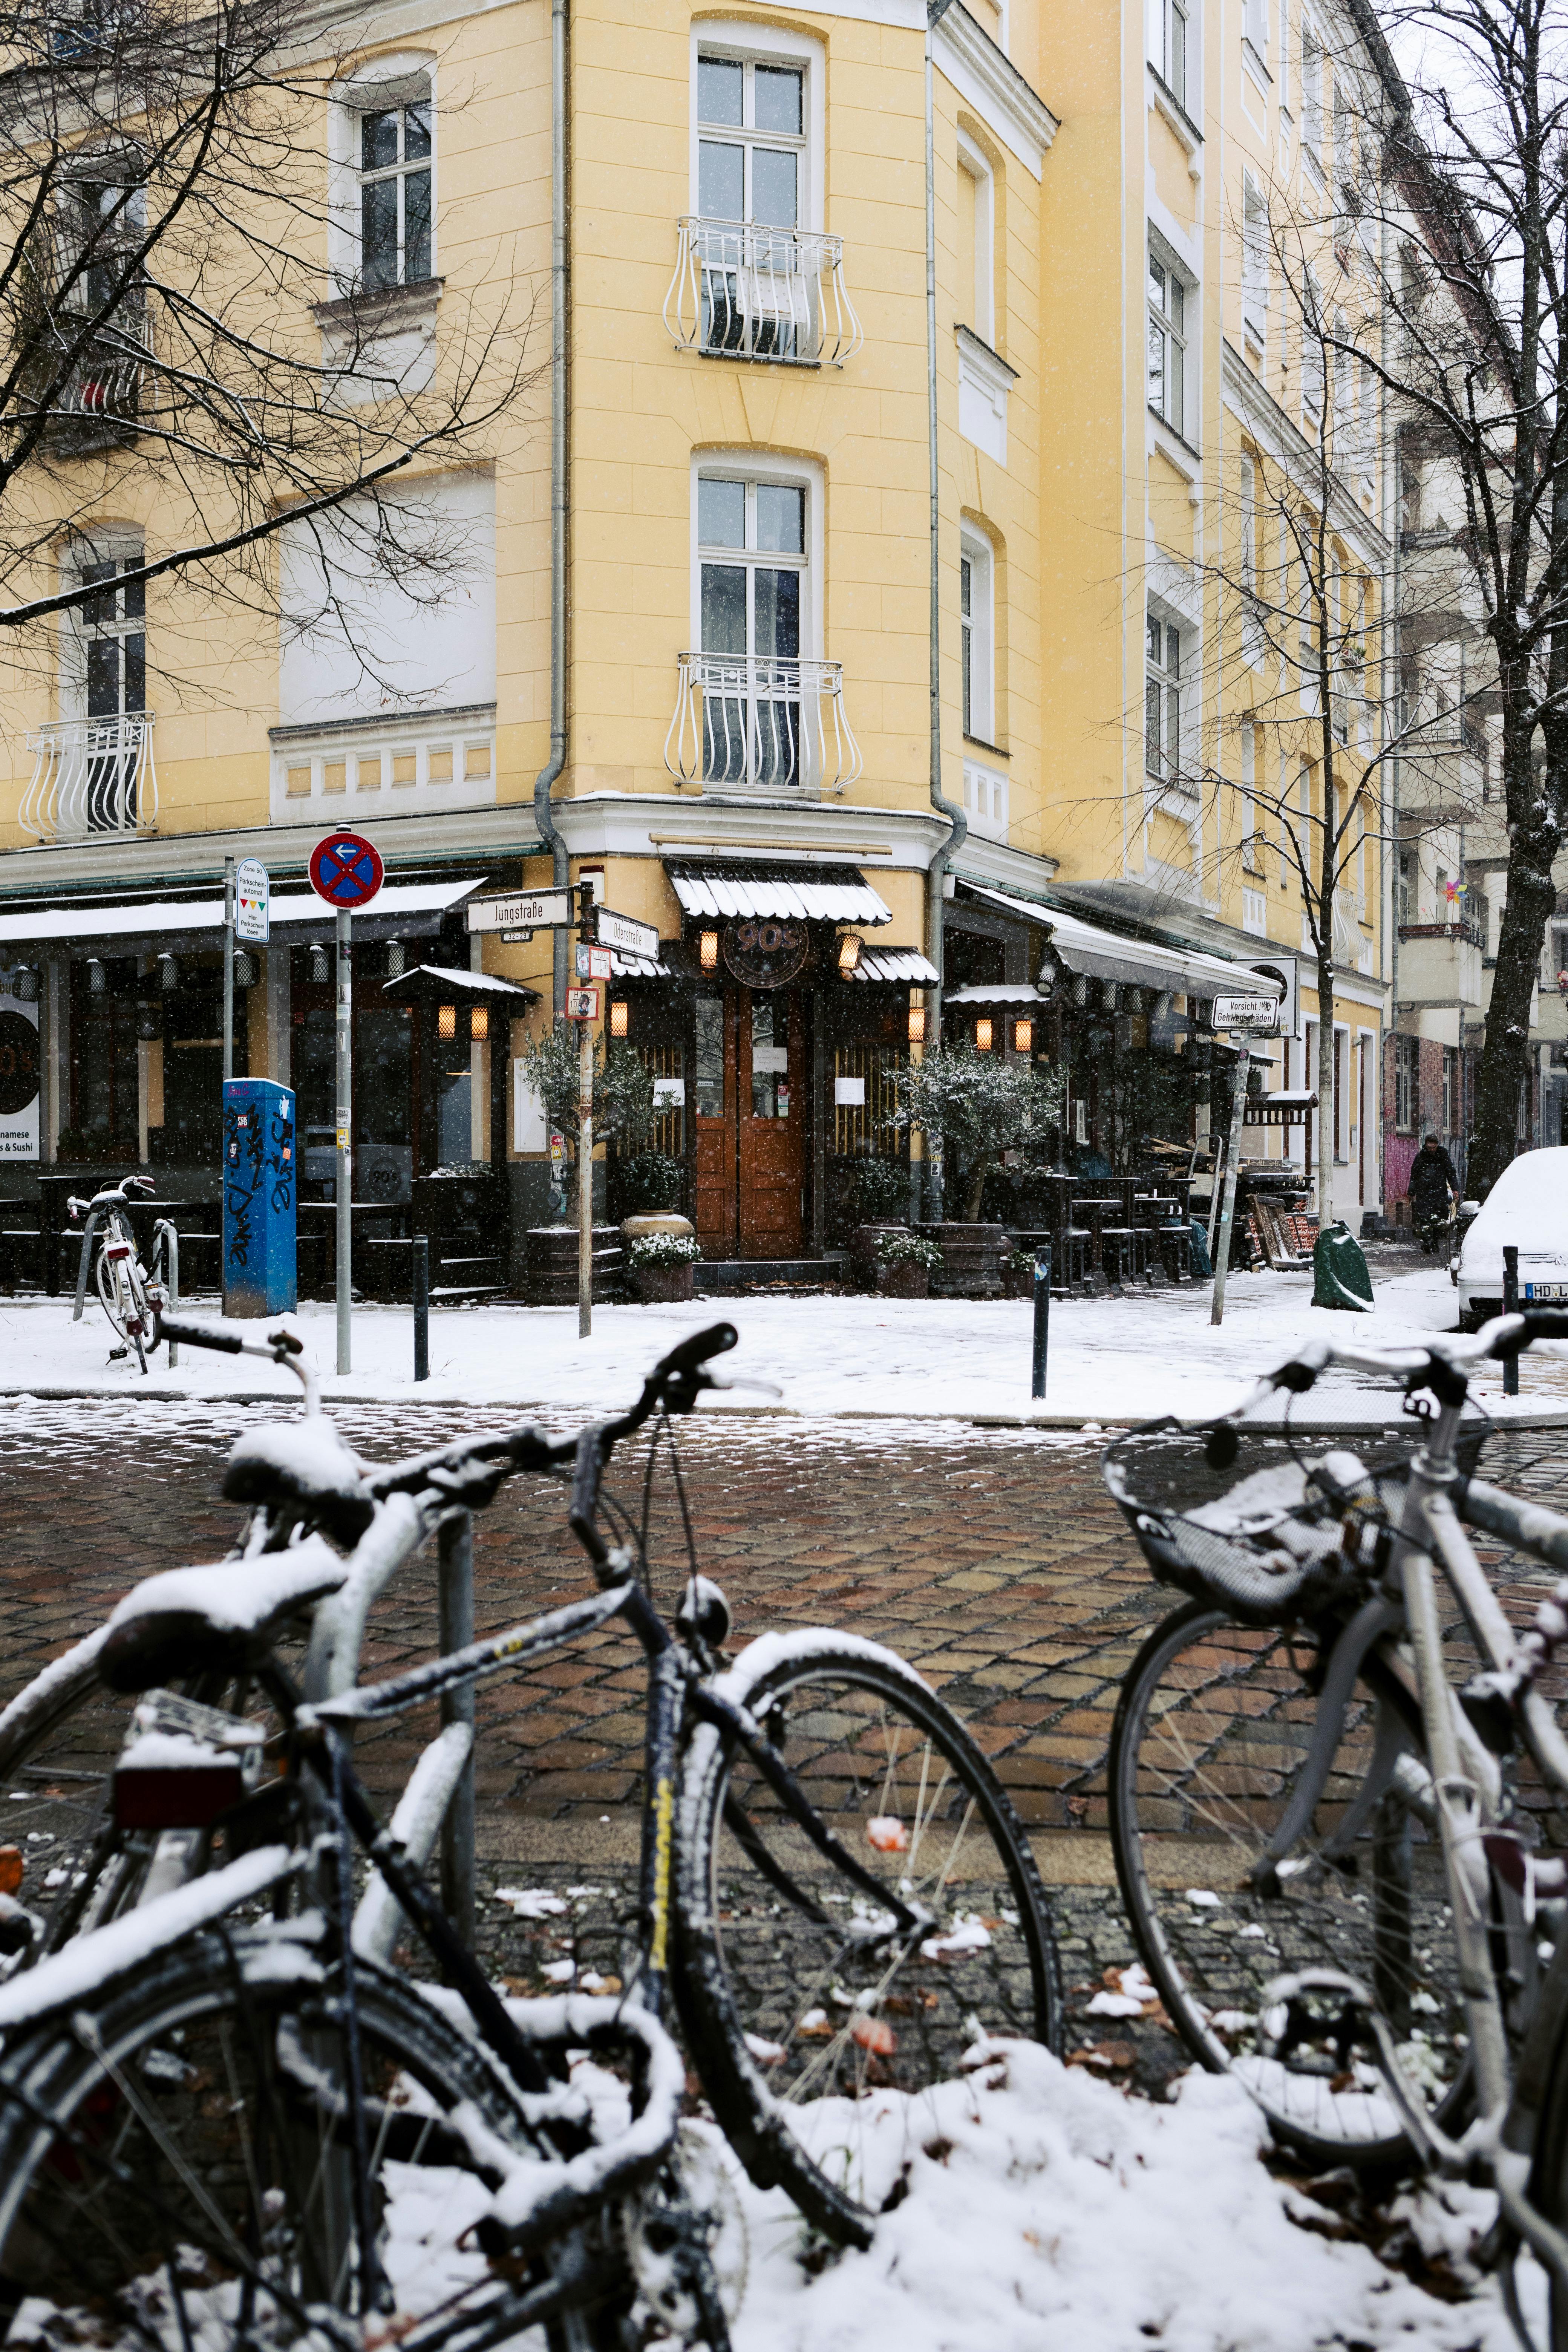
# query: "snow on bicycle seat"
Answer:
x=306 y=1462
x=219 y=1620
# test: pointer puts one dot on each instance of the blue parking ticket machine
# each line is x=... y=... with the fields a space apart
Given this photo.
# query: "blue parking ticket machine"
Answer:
x=260 y=1269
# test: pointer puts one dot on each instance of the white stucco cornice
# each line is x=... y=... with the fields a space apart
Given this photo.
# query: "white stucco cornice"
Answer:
x=994 y=87
x=476 y=835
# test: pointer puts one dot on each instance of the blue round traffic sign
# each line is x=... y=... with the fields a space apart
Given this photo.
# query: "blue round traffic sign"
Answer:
x=346 y=870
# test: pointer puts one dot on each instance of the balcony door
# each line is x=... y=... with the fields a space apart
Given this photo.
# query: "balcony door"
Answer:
x=751 y=1070
x=750 y=161
x=751 y=559
x=115 y=647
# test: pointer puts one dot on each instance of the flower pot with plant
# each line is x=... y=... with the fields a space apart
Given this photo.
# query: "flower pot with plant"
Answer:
x=660 y=1265
x=971 y=1108
x=905 y=1263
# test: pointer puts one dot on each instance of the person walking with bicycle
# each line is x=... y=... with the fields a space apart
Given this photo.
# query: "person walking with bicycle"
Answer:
x=1433 y=1183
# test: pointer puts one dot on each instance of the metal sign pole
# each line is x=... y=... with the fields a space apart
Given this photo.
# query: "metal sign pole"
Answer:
x=1232 y=1163
x=344 y=1130
x=227 y=968
x=585 y=1139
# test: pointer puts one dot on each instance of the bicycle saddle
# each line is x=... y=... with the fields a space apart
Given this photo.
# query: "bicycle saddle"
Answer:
x=307 y=1464
x=222 y=1620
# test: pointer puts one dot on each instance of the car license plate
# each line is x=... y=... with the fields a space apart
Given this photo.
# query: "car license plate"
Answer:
x=1537 y=1290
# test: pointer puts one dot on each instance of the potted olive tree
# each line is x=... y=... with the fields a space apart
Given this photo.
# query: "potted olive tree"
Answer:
x=971 y=1108
x=623 y=1113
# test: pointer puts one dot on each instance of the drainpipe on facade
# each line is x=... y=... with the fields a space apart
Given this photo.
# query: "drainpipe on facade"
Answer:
x=552 y=767
x=958 y=825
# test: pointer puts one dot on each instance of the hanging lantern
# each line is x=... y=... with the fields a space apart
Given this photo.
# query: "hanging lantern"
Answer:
x=244 y=968
x=168 y=973
x=917 y=1024
x=983 y=1036
x=321 y=965
x=149 y=1022
x=850 y=948
x=445 y=1021
x=620 y=1017
x=1022 y=1037
x=707 y=952
x=25 y=984
x=1081 y=990
x=397 y=960
x=480 y=1023
x=97 y=978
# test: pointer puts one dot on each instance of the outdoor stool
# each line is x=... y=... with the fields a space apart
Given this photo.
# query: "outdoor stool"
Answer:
x=1175 y=1244
x=1127 y=1248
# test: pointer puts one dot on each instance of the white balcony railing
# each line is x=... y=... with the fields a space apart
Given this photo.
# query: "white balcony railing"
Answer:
x=743 y=291
x=762 y=724
x=90 y=776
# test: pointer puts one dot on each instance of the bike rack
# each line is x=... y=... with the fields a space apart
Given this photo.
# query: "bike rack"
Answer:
x=169 y=1235
x=93 y=1221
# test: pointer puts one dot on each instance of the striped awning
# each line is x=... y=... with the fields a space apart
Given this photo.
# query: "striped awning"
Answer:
x=818 y=894
x=425 y=983
x=1020 y=992
x=636 y=967
x=907 y=964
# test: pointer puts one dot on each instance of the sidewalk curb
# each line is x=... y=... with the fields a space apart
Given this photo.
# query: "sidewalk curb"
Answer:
x=1533 y=1417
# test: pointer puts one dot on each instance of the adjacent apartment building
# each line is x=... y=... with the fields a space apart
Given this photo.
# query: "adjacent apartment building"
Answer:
x=1048 y=807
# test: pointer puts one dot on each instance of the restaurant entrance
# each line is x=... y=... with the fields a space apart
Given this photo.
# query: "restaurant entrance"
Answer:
x=752 y=1068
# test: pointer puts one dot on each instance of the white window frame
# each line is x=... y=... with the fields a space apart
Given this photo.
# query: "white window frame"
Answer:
x=1159 y=786
x=1181 y=341
x=980 y=170
x=752 y=466
x=1314 y=358
x=1249 y=829
x=108 y=543
x=1161 y=17
x=1254 y=263
x=748 y=44
x=1254 y=30
x=986 y=800
x=977 y=634
x=394 y=78
x=1312 y=53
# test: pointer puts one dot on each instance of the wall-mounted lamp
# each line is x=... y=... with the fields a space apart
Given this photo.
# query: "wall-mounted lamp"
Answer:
x=620 y=1017
x=480 y=1023
x=97 y=978
x=321 y=968
x=25 y=984
x=397 y=960
x=244 y=968
x=707 y=952
x=168 y=975
x=983 y=1036
x=917 y=1024
x=445 y=1021
x=850 y=948
x=1081 y=990
x=149 y=1022
x=1022 y=1037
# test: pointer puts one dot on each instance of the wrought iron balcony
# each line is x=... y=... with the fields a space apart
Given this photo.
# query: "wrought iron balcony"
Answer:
x=743 y=291
x=761 y=724
x=90 y=776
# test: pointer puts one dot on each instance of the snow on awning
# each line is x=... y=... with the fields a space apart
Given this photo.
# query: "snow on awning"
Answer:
x=818 y=894
x=636 y=967
x=1105 y=955
x=84 y=920
x=427 y=981
x=1021 y=992
x=895 y=963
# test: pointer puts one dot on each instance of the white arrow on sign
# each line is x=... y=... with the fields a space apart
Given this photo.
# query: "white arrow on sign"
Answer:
x=527 y=911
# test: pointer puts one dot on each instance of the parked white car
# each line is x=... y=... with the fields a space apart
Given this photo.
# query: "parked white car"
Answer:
x=1527 y=1205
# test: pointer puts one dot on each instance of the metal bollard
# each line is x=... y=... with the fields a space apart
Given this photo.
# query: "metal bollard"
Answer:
x=455 y=1557
x=421 y=1307
x=1510 y=1307
x=1042 y=1318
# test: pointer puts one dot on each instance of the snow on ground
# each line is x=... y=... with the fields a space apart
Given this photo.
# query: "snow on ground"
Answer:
x=1043 y=2209
x=1112 y=1360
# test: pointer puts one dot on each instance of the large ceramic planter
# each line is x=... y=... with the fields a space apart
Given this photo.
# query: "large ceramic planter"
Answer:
x=863 y=1253
x=909 y=1280
x=657 y=1286
x=972 y=1259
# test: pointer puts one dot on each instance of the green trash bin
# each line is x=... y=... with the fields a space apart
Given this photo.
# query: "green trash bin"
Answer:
x=1339 y=1277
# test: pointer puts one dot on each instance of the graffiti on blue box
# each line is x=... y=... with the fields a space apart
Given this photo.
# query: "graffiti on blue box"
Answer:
x=260 y=1197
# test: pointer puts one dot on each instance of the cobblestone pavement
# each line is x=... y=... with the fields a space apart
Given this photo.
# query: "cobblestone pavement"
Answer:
x=993 y=1560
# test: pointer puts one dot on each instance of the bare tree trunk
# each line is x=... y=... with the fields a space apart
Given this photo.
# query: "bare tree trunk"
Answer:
x=1535 y=837
x=1325 y=1081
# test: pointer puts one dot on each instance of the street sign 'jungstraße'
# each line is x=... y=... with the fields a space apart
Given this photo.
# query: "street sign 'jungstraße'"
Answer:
x=523 y=910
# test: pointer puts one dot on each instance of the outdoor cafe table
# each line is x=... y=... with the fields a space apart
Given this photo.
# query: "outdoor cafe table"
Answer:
x=1095 y=1210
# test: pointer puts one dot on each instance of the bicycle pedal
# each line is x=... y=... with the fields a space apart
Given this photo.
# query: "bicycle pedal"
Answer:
x=118 y=1355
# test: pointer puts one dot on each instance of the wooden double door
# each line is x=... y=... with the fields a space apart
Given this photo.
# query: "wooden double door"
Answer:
x=751 y=1070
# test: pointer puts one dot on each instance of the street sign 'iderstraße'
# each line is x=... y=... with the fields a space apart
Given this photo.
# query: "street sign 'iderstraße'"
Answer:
x=625 y=934
x=523 y=910
x=1259 y=1014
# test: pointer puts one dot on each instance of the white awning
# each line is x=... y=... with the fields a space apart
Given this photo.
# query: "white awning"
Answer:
x=1105 y=955
x=1021 y=992
x=816 y=894
x=427 y=979
x=636 y=967
x=895 y=963
x=84 y=920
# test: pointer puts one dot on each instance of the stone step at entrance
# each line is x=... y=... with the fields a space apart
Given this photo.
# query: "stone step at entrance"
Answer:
x=722 y=1276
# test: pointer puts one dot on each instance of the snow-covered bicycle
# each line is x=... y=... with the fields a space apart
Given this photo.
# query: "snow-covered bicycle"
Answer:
x=835 y=1894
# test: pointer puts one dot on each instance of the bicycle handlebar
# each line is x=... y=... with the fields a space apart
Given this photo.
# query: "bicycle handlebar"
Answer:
x=114 y=1194
x=1504 y=1336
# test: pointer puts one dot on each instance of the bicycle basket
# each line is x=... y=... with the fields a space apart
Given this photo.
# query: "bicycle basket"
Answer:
x=1257 y=1537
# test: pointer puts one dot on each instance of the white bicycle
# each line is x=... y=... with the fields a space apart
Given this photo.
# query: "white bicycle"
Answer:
x=132 y=1298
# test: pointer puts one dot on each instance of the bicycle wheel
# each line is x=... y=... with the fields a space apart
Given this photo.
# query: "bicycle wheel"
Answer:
x=122 y=1296
x=1212 y=1729
x=174 y=2171
x=799 y=1994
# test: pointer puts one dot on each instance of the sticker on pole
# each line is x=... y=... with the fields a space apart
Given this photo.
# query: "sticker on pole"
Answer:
x=346 y=871
x=581 y=1004
x=252 y=902
x=1256 y=1012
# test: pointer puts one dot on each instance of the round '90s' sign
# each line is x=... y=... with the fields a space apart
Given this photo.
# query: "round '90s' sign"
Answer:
x=18 y=1064
x=346 y=870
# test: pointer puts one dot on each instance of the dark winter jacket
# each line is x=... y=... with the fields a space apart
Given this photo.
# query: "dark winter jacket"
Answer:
x=1432 y=1178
